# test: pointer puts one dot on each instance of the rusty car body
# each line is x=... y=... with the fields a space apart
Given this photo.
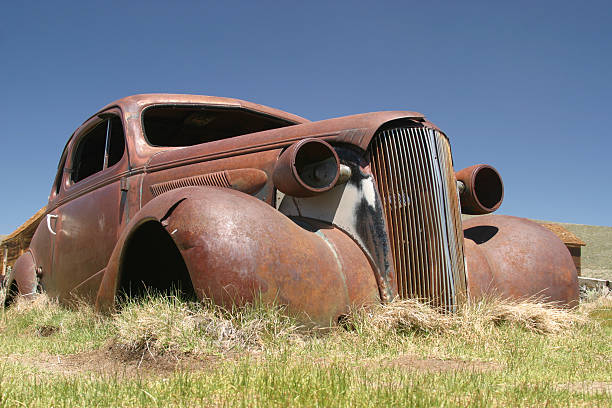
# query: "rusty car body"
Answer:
x=231 y=200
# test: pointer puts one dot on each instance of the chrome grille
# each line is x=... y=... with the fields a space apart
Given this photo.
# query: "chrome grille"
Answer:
x=416 y=181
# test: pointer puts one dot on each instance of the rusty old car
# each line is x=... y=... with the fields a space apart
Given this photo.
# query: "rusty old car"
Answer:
x=230 y=200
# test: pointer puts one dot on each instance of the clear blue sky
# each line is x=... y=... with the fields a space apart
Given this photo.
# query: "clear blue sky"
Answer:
x=524 y=86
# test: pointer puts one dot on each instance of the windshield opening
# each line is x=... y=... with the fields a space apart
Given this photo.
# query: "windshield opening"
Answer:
x=176 y=125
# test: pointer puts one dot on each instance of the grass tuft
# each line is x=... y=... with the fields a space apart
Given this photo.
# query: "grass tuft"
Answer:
x=531 y=315
x=161 y=325
x=402 y=316
x=40 y=304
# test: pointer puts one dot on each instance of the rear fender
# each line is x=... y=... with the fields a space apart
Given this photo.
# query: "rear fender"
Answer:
x=237 y=248
x=24 y=275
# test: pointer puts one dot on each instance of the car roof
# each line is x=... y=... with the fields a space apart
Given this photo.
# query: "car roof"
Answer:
x=136 y=103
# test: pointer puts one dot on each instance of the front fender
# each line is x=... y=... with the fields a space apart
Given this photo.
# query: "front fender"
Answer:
x=516 y=258
x=237 y=248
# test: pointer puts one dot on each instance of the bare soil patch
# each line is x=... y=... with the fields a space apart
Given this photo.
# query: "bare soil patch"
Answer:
x=414 y=362
x=588 y=387
x=46 y=330
x=111 y=360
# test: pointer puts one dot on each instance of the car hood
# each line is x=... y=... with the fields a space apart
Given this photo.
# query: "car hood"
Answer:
x=357 y=130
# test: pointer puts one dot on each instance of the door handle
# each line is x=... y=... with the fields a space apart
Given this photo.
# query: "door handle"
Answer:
x=49 y=217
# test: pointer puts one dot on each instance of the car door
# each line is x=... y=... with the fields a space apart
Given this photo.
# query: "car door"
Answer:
x=88 y=222
x=43 y=241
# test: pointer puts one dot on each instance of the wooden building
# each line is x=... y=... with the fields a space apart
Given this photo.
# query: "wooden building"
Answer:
x=571 y=241
x=16 y=243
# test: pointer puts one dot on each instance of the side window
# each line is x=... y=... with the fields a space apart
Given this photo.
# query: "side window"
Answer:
x=116 y=144
x=89 y=156
x=100 y=148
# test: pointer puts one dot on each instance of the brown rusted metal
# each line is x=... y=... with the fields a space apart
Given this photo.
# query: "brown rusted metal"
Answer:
x=24 y=283
x=262 y=161
x=355 y=208
x=307 y=168
x=516 y=258
x=238 y=248
x=248 y=181
x=481 y=189
x=413 y=171
x=237 y=217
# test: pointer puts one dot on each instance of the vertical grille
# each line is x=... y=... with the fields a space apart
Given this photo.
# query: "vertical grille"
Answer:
x=416 y=182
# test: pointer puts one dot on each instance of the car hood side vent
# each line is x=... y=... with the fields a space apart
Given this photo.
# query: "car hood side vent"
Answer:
x=248 y=181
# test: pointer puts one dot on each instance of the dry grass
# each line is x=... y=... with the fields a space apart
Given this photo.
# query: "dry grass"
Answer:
x=529 y=314
x=596 y=299
x=473 y=317
x=169 y=325
x=400 y=316
x=39 y=303
x=43 y=305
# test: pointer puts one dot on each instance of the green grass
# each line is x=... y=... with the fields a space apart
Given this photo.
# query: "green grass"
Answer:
x=165 y=352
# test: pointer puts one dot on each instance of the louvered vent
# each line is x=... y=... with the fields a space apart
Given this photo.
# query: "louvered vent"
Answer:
x=416 y=181
x=217 y=179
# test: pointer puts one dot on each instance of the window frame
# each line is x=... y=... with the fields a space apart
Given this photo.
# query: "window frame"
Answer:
x=80 y=136
x=206 y=106
x=58 y=181
x=78 y=143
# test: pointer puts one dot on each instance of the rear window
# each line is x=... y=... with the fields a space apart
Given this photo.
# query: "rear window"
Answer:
x=173 y=125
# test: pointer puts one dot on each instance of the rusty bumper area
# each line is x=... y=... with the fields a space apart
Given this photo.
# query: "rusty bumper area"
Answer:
x=238 y=249
x=516 y=258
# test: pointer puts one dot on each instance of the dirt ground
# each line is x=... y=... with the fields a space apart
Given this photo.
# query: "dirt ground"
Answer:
x=412 y=362
x=110 y=361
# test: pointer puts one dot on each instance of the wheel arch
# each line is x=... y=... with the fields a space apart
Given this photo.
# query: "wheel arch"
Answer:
x=150 y=262
x=23 y=279
x=150 y=217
